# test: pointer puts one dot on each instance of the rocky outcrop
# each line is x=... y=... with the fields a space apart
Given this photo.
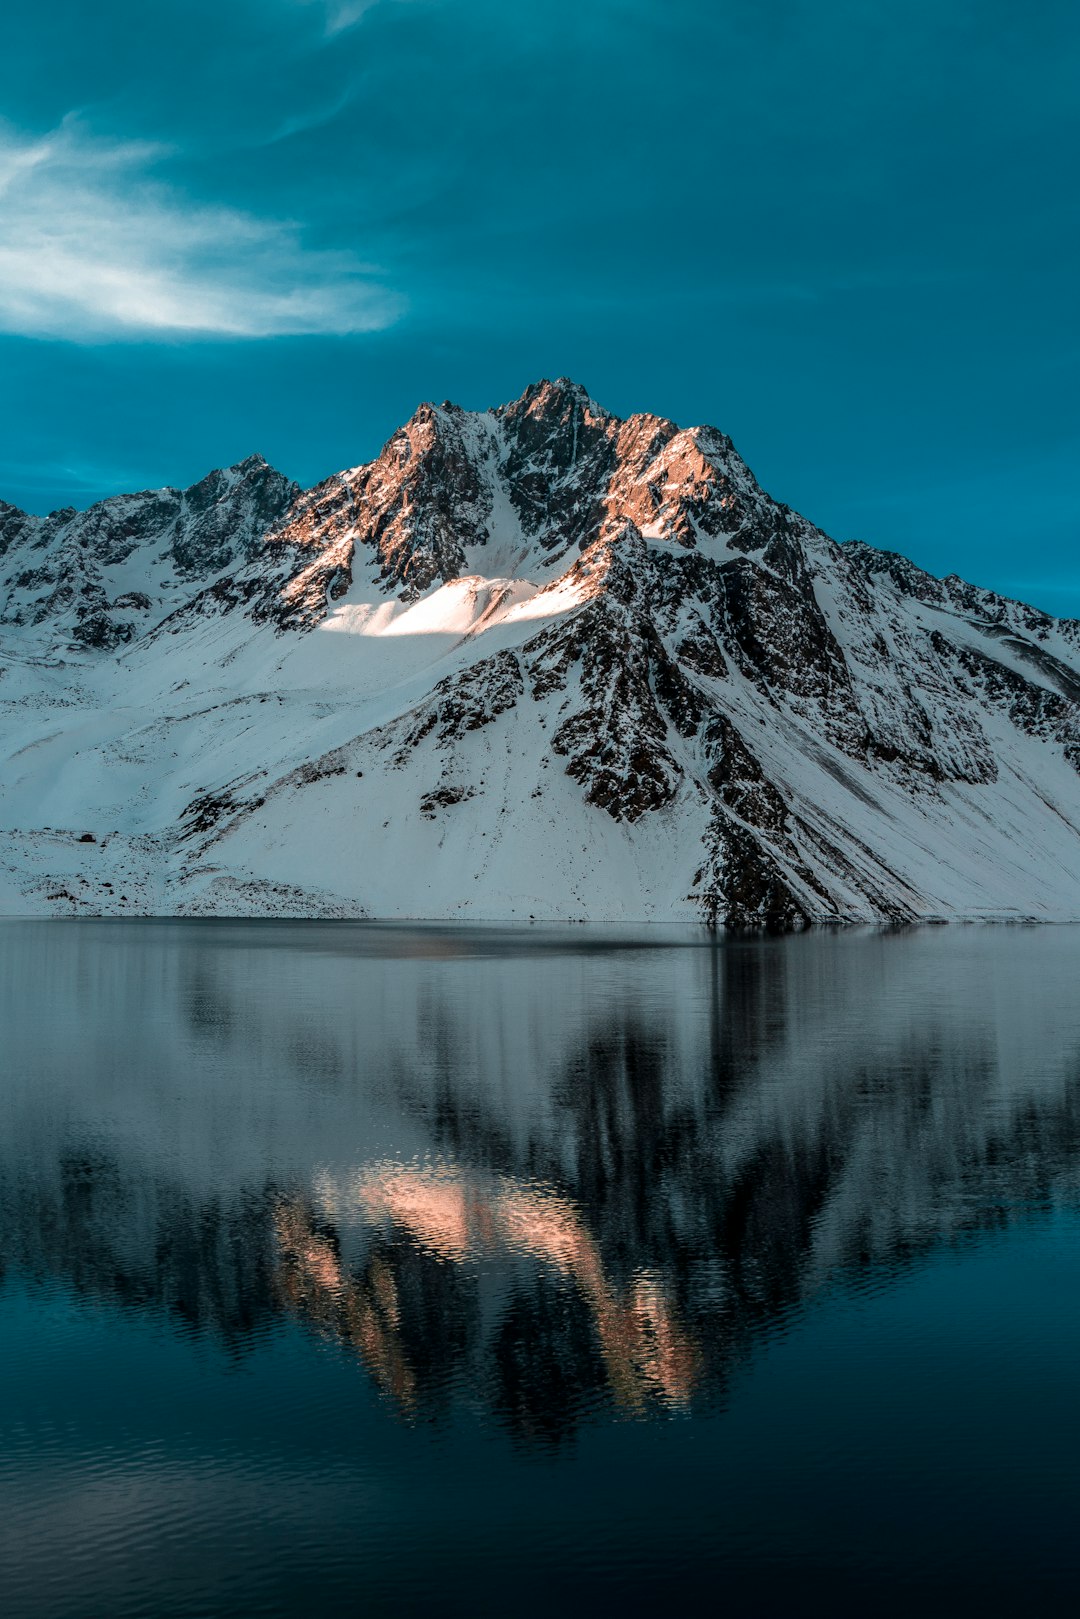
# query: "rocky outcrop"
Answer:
x=100 y=575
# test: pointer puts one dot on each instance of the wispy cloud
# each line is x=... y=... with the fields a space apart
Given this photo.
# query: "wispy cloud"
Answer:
x=92 y=245
x=302 y=123
x=342 y=14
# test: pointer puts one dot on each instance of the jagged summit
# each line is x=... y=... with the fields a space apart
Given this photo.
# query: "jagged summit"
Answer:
x=536 y=660
x=559 y=398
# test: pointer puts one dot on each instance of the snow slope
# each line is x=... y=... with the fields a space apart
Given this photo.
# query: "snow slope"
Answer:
x=531 y=662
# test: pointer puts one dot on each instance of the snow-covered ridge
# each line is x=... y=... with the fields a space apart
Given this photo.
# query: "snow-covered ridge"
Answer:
x=534 y=661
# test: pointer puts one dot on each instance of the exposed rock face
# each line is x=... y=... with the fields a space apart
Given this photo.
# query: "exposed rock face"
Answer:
x=73 y=570
x=532 y=661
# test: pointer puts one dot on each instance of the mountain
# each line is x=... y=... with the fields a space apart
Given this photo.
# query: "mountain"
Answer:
x=531 y=662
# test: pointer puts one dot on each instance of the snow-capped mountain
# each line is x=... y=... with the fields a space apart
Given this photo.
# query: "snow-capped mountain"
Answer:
x=531 y=662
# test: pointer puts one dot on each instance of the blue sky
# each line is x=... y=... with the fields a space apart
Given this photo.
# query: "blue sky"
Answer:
x=844 y=232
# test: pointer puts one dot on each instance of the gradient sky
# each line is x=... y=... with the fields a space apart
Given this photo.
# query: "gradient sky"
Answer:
x=843 y=231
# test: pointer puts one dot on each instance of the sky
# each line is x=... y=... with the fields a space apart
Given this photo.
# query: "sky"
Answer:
x=844 y=232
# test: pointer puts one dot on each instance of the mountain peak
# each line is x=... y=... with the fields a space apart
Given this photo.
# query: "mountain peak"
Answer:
x=546 y=397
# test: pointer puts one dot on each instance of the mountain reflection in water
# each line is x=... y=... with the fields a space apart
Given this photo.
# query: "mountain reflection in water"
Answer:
x=462 y=1221
x=413 y=1270
x=535 y=1173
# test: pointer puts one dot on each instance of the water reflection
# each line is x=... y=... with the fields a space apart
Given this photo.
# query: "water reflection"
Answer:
x=527 y=1174
x=463 y=1221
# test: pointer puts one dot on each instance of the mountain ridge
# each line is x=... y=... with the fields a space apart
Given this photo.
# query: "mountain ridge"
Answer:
x=533 y=661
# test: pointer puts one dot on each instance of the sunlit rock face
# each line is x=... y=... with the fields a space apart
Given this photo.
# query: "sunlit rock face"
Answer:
x=531 y=662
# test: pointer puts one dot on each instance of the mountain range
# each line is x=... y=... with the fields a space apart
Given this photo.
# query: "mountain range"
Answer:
x=533 y=662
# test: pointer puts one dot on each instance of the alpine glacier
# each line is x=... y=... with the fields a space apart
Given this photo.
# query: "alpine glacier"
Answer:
x=535 y=662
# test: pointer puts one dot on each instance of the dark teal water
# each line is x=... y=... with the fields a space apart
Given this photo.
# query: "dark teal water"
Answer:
x=426 y=1270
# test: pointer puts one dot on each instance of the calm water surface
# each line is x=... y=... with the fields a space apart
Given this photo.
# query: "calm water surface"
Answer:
x=387 y=1270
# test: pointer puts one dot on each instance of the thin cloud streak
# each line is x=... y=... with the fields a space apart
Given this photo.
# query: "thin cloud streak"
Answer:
x=92 y=246
x=343 y=14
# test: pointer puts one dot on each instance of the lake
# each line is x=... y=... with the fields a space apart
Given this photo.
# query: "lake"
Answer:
x=386 y=1269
